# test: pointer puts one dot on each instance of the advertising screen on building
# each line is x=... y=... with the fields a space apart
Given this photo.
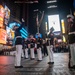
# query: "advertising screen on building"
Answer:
x=10 y=33
x=7 y=15
x=53 y=21
x=1 y=15
x=3 y=36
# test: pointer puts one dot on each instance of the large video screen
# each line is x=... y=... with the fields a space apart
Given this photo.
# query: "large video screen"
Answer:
x=1 y=15
x=54 y=21
x=7 y=15
x=3 y=36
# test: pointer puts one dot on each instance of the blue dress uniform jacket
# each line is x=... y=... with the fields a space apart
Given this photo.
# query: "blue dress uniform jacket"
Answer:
x=51 y=38
x=18 y=36
x=25 y=44
x=32 y=43
x=71 y=37
x=39 y=42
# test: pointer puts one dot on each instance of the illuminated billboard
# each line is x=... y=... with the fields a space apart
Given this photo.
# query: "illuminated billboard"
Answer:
x=53 y=21
x=3 y=36
x=10 y=33
x=1 y=15
x=63 y=26
x=23 y=31
x=7 y=15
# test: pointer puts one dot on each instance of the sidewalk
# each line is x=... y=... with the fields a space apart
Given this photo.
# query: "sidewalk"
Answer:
x=33 y=67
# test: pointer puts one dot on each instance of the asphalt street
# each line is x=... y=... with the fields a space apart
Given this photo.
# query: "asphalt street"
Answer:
x=34 y=67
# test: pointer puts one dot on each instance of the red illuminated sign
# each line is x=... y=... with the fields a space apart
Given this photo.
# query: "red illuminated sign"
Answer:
x=3 y=36
x=1 y=15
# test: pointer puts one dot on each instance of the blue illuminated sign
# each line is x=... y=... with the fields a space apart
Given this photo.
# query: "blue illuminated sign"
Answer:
x=23 y=31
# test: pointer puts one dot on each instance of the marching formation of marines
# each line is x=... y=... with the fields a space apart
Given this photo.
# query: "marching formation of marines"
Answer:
x=25 y=47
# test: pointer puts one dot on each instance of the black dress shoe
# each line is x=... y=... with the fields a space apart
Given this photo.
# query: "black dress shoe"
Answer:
x=26 y=58
x=74 y=66
x=50 y=62
x=71 y=67
x=18 y=66
x=39 y=60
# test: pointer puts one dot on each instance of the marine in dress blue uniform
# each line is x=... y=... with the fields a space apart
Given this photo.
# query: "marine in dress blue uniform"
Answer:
x=39 y=46
x=71 y=38
x=49 y=45
x=32 y=46
x=26 y=42
x=18 y=43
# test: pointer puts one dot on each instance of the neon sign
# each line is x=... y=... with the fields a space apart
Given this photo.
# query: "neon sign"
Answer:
x=1 y=15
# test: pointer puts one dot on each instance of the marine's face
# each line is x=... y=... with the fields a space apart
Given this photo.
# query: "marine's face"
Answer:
x=70 y=20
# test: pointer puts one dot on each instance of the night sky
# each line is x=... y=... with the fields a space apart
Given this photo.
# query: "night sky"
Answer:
x=64 y=7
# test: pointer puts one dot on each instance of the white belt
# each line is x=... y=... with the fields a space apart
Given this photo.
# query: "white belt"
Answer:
x=71 y=33
x=18 y=37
